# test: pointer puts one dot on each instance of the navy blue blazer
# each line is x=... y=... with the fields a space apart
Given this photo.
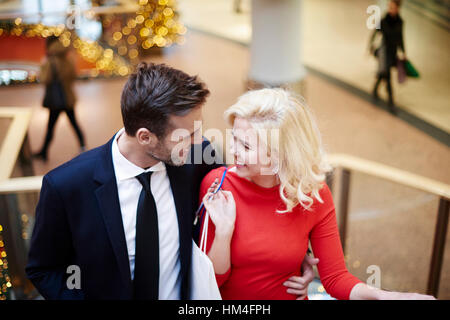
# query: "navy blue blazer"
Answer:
x=79 y=222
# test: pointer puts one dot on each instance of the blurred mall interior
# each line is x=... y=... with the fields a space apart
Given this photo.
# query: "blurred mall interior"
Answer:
x=391 y=178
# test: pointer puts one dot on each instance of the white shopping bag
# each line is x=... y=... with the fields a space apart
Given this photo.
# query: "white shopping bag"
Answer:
x=203 y=279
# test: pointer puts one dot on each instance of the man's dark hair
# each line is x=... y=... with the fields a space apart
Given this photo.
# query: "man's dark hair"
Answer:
x=156 y=91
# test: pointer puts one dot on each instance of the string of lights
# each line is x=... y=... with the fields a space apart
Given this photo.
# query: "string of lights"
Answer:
x=155 y=24
x=5 y=281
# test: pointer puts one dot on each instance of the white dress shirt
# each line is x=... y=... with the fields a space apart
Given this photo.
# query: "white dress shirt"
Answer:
x=129 y=189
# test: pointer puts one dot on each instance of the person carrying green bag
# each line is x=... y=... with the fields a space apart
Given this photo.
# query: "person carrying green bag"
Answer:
x=391 y=28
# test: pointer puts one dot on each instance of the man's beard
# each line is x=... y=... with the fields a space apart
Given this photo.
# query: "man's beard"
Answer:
x=161 y=153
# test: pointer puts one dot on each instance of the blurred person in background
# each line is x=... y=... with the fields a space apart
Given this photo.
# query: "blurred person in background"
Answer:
x=58 y=74
x=391 y=29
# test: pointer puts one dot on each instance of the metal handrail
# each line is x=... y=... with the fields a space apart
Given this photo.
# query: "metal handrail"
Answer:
x=15 y=143
x=21 y=185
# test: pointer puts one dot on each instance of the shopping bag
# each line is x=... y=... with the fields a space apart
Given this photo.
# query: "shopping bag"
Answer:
x=410 y=70
x=401 y=72
x=203 y=278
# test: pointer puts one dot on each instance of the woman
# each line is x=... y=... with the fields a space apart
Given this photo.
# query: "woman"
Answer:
x=391 y=28
x=58 y=68
x=273 y=202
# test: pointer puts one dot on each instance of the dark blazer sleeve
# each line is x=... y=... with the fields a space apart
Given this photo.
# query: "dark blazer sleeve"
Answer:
x=51 y=247
x=210 y=161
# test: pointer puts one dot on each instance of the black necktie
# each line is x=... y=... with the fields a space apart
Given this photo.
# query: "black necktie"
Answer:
x=146 y=263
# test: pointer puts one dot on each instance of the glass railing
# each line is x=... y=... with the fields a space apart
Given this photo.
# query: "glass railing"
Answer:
x=18 y=199
x=394 y=221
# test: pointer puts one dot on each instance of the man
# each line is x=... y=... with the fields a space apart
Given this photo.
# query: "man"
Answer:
x=123 y=212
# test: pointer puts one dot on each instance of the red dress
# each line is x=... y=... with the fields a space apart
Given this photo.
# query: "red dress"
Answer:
x=268 y=247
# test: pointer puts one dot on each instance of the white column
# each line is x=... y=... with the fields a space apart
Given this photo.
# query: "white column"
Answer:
x=276 y=55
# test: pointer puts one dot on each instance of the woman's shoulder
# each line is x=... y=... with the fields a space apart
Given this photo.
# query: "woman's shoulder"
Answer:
x=325 y=204
x=325 y=192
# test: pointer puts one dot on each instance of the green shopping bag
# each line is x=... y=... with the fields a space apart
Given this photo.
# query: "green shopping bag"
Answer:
x=410 y=70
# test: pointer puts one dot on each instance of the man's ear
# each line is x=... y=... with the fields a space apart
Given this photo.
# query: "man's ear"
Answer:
x=146 y=137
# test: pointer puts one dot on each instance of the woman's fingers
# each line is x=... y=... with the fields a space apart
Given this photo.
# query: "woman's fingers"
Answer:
x=221 y=197
x=213 y=185
x=228 y=195
x=207 y=200
x=210 y=199
x=209 y=206
x=207 y=197
x=225 y=195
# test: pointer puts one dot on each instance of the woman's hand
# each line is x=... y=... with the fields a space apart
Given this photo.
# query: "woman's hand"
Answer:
x=222 y=210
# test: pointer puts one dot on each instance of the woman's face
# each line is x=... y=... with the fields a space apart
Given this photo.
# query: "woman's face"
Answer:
x=250 y=153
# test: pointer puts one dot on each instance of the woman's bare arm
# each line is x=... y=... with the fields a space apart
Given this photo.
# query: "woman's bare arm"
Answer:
x=361 y=291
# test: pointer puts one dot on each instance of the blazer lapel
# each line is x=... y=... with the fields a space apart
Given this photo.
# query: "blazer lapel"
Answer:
x=108 y=200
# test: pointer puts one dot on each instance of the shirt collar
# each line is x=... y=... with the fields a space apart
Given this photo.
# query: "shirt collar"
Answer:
x=124 y=168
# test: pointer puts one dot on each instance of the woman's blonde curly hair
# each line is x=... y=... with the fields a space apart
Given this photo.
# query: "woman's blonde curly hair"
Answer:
x=303 y=162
